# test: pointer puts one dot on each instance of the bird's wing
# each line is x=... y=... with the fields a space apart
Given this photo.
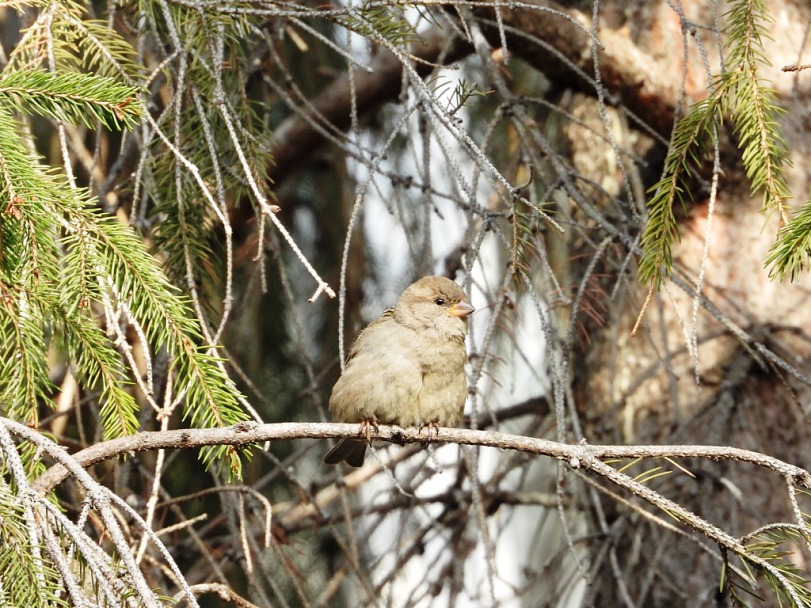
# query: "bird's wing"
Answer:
x=386 y=317
x=381 y=377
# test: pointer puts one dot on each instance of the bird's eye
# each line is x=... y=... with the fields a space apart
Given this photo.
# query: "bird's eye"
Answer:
x=439 y=301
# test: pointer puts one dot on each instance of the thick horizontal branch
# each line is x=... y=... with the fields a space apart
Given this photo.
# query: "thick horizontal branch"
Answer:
x=578 y=456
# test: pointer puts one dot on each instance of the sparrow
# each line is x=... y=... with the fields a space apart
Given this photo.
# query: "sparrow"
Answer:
x=406 y=368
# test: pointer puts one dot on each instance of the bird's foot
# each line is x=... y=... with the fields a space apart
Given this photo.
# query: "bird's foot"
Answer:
x=432 y=427
x=366 y=426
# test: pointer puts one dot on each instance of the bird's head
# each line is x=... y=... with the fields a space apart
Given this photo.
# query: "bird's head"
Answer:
x=434 y=302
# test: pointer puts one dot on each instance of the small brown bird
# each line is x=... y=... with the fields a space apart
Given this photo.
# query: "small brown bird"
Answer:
x=407 y=367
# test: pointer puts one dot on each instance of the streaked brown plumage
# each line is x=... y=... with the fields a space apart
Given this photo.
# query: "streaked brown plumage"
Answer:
x=407 y=367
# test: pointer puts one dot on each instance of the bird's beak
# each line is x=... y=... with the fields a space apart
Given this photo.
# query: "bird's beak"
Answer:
x=461 y=309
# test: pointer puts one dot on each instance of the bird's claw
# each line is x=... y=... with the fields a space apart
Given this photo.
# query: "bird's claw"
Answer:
x=432 y=427
x=366 y=426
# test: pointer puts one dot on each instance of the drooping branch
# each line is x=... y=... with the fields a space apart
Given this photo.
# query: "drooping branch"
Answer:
x=630 y=76
x=534 y=33
x=296 y=138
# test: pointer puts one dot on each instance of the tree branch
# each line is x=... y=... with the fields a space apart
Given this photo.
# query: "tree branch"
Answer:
x=538 y=33
x=579 y=456
x=550 y=43
x=296 y=138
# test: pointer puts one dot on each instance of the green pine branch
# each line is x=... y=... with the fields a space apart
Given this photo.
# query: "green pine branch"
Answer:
x=105 y=267
x=28 y=264
x=750 y=106
x=686 y=149
x=25 y=579
x=72 y=97
x=774 y=547
x=791 y=252
x=24 y=381
x=370 y=22
x=68 y=41
x=167 y=319
x=97 y=364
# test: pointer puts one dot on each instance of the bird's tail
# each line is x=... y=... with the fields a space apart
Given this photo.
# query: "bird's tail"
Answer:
x=350 y=451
